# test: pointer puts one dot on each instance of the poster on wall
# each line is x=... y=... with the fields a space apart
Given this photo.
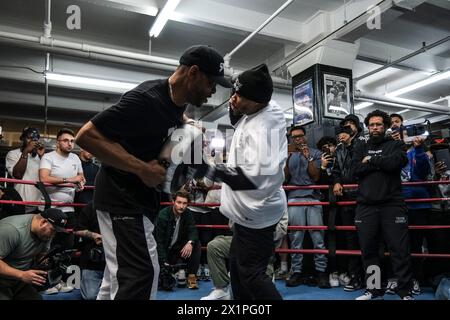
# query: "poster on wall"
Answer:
x=303 y=103
x=337 y=96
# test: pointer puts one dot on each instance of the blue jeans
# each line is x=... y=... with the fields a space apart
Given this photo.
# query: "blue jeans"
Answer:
x=306 y=216
x=90 y=283
x=443 y=290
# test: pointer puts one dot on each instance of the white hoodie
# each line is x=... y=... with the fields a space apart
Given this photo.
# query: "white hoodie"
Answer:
x=259 y=148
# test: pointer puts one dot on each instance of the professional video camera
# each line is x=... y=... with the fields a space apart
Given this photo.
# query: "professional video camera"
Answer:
x=410 y=132
x=167 y=278
x=55 y=262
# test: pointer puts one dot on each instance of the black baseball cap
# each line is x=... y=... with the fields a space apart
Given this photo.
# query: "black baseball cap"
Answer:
x=208 y=60
x=56 y=217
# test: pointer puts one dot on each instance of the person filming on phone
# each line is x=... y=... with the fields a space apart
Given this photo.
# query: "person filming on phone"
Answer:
x=417 y=169
x=303 y=169
x=343 y=174
x=23 y=164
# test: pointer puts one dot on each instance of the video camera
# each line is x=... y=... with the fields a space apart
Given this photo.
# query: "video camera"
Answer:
x=410 y=132
x=167 y=278
x=55 y=262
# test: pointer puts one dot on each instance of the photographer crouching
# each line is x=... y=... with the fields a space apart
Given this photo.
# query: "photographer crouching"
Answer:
x=24 y=239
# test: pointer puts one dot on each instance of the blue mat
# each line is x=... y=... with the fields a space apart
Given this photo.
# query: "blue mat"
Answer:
x=297 y=293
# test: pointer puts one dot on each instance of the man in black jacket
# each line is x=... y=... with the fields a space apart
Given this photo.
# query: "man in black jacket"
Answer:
x=343 y=173
x=381 y=208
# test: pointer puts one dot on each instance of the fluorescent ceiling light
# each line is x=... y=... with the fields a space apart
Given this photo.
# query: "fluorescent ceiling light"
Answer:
x=107 y=84
x=363 y=105
x=162 y=17
x=403 y=111
x=434 y=78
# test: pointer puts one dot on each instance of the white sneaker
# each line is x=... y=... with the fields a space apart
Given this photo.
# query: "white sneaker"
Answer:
x=63 y=287
x=369 y=296
x=218 y=294
x=334 y=279
x=52 y=290
x=344 y=279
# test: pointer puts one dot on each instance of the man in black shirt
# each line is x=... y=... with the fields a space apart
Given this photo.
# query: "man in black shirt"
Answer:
x=127 y=138
x=380 y=207
x=90 y=170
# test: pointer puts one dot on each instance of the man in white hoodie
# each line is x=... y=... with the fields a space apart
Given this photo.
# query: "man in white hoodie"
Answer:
x=258 y=152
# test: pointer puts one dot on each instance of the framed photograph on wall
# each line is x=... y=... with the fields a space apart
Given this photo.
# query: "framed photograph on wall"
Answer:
x=336 y=96
x=303 y=96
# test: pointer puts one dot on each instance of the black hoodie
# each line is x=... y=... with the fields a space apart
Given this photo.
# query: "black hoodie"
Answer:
x=379 y=180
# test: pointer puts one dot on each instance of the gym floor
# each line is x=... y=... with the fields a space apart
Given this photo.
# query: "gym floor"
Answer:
x=298 y=293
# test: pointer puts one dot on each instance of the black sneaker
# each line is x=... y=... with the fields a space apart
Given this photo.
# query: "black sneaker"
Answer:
x=323 y=282
x=311 y=281
x=295 y=280
x=391 y=287
x=353 y=285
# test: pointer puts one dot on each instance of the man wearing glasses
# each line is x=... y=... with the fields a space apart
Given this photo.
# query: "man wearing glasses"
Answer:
x=303 y=169
x=381 y=210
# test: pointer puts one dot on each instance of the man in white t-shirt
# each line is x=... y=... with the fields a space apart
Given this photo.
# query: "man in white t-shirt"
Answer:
x=23 y=164
x=62 y=167
x=259 y=152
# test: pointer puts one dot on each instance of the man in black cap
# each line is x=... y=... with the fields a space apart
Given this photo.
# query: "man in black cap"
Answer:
x=127 y=138
x=22 y=239
x=23 y=164
x=258 y=151
x=352 y=121
x=343 y=173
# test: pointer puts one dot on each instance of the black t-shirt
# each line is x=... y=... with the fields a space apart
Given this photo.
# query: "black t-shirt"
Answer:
x=140 y=122
x=90 y=170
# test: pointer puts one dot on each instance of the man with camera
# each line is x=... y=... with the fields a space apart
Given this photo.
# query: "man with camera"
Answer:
x=303 y=169
x=23 y=239
x=23 y=164
x=343 y=173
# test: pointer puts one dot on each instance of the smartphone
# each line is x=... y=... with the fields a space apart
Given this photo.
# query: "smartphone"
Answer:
x=326 y=151
x=442 y=155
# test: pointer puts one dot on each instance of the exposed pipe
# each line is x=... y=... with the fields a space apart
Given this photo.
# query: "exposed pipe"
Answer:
x=104 y=54
x=228 y=56
x=400 y=103
x=47 y=68
x=51 y=42
x=393 y=63
x=47 y=22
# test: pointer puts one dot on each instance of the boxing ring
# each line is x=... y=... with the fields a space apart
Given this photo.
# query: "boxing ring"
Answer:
x=290 y=227
x=334 y=205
